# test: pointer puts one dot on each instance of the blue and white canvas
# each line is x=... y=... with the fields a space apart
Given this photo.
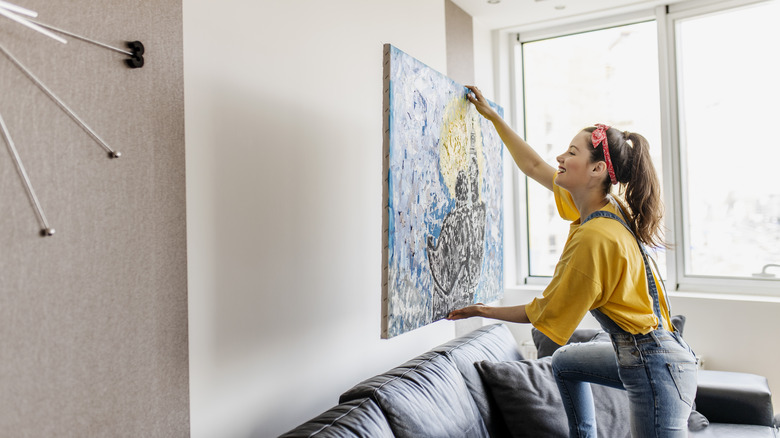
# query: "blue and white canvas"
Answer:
x=444 y=201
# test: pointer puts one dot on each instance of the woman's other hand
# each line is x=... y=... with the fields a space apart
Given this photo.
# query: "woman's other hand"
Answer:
x=467 y=312
x=480 y=103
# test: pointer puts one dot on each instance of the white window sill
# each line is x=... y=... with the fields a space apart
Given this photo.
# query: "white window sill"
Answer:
x=537 y=289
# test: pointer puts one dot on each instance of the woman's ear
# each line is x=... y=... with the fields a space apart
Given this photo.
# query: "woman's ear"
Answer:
x=599 y=169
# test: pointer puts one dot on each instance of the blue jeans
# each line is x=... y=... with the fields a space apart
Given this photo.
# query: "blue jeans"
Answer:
x=658 y=371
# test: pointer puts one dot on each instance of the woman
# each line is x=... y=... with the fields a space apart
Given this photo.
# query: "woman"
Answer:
x=604 y=270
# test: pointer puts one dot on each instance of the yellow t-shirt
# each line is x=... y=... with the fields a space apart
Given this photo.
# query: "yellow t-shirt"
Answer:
x=601 y=268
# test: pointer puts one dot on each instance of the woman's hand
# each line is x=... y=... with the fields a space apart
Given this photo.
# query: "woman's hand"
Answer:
x=480 y=103
x=467 y=312
x=527 y=159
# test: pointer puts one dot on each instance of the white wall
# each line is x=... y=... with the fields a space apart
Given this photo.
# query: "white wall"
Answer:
x=283 y=105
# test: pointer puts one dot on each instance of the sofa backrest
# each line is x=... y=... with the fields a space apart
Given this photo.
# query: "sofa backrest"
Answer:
x=493 y=343
x=424 y=397
x=438 y=393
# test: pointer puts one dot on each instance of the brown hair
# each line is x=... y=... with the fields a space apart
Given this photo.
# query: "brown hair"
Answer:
x=638 y=181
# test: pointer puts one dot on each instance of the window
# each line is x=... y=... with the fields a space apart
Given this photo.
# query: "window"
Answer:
x=728 y=92
x=710 y=121
x=571 y=82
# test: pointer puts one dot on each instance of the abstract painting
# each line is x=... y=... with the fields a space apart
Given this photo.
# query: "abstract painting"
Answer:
x=443 y=215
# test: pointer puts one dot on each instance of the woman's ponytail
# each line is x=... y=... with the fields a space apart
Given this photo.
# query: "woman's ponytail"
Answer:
x=642 y=192
x=639 y=185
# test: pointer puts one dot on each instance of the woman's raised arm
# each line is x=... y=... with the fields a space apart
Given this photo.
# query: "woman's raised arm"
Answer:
x=529 y=162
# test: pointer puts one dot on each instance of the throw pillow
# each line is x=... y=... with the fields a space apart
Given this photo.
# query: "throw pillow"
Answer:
x=697 y=421
x=528 y=398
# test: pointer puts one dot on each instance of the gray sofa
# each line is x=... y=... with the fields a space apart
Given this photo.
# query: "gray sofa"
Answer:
x=479 y=385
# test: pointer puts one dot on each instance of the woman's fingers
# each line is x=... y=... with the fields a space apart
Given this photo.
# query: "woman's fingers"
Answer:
x=465 y=312
x=454 y=316
x=475 y=94
x=477 y=99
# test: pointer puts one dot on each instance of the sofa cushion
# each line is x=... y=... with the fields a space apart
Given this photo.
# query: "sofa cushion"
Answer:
x=528 y=398
x=493 y=343
x=718 y=430
x=356 y=418
x=425 y=397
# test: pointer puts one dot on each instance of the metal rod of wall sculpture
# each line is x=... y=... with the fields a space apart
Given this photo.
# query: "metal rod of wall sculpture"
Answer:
x=46 y=230
x=60 y=103
x=10 y=11
x=82 y=38
x=17 y=9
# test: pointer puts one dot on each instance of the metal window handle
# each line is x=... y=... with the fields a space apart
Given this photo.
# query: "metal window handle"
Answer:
x=764 y=274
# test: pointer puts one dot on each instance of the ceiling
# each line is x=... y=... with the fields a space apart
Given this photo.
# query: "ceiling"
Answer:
x=532 y=13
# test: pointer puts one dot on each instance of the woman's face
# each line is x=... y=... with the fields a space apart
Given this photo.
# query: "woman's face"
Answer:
x=574 y=165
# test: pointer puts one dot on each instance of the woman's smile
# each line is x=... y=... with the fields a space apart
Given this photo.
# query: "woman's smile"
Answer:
x=574 y=162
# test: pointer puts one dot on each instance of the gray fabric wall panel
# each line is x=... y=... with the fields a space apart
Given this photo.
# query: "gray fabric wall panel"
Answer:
x=93 y=320
x=460 y=44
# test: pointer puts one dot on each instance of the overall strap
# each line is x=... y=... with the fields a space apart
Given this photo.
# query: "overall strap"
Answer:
x=648 y=272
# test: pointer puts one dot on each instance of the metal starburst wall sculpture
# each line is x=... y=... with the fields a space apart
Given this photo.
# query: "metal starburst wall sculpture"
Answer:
x=25 y=17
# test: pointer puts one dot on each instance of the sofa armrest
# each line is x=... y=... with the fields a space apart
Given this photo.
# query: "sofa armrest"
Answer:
x=353 y=419
x=737 y=398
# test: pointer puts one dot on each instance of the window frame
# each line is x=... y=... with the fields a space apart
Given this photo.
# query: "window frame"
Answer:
x=666 y=18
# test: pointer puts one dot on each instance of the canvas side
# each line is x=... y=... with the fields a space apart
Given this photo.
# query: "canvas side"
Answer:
x=385 y=186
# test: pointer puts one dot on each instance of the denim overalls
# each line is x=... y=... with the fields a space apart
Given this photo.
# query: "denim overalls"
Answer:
x=657 y=369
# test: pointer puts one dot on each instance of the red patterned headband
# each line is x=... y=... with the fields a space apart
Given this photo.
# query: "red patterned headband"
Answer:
x=600 y=136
